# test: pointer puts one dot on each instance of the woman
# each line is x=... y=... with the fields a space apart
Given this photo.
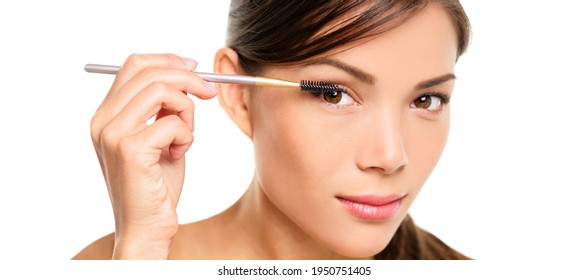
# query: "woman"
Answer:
x=335 y=172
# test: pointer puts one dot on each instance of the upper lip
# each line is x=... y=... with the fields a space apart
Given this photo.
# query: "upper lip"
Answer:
x=375 y=200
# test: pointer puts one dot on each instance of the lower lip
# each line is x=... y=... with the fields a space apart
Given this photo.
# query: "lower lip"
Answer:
x=369 y=211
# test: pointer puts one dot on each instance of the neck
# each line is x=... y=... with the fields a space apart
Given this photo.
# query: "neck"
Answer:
x=264 y=232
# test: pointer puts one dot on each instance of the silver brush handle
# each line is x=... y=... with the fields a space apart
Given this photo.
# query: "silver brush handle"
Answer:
x=210 y=77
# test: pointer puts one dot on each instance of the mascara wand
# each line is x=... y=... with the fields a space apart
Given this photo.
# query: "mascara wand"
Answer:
x=304 y=85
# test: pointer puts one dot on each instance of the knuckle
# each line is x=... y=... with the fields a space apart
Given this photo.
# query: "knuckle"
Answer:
x=155 y=91
x=108 y=137
x=157 y=88
x=190 y=106
x=173 y=59
x=134 y=60
x=95 y=128
x=172 y=120
x=149 y=74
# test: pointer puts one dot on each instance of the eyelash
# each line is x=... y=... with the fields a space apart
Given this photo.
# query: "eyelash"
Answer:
x=444 y=99
x=343 y=90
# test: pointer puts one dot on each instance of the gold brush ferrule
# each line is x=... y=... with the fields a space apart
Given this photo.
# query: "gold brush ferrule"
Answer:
x=262 y=81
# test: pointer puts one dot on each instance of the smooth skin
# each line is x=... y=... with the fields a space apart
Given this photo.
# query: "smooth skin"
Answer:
x=382 y=138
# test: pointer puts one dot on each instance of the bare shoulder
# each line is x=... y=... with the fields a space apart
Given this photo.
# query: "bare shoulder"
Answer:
x=205 y=239
x=189 y=237
x=100 y=249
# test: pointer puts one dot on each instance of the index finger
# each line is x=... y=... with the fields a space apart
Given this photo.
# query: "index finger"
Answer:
x=136 y=63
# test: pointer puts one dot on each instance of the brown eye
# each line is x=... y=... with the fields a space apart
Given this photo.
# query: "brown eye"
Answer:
x=430 y=102
x=337 y=98
x=333 y=97
x=423 y=102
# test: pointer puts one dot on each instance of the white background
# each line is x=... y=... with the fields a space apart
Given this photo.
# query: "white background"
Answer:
x=510 y=185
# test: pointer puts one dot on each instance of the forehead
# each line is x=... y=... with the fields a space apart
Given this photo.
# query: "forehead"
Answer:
x=426 y=43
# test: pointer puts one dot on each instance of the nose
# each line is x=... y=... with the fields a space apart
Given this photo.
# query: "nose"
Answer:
x=383 y=147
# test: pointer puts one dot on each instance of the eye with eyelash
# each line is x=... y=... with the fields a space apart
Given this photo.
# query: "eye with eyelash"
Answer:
x=425 y=101
x=334 y=98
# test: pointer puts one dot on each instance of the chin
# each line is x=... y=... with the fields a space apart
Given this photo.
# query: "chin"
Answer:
x=362 y=251
x=358 y=245
x=369 y=239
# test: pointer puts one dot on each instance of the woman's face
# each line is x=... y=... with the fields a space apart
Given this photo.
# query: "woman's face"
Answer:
x=346 y=166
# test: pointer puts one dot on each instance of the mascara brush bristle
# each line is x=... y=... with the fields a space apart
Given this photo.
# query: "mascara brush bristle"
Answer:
x=317 y=86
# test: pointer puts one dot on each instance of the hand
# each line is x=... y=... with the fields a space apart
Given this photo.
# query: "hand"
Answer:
x=144 y=165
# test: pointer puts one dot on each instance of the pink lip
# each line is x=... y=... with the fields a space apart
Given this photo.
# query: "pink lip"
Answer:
x=371 y=207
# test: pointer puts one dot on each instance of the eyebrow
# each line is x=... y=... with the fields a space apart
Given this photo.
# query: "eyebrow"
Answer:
x=370 y=79
x=435 y=81
x=353 y=71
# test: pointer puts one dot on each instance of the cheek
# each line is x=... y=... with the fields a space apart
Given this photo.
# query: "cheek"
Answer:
x=295 y=144
x=303 y=158
x=426 y=142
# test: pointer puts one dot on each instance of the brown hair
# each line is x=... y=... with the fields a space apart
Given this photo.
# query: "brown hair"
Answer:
x=411 y=242
x=278 y=32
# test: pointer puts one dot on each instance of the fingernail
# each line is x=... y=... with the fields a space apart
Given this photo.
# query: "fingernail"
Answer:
x=211 y=87
x=190 y=62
